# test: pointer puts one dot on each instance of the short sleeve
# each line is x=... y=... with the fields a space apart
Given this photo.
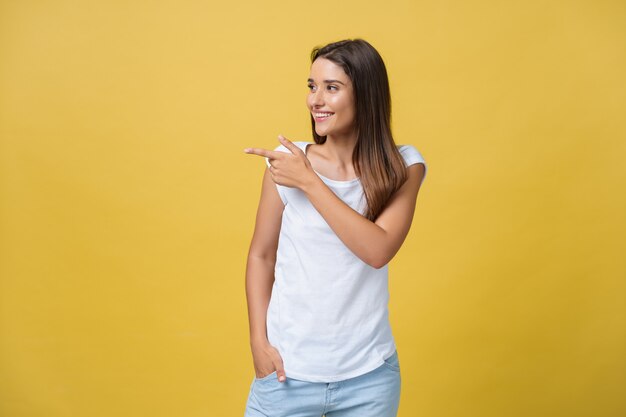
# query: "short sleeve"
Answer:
x=280 y=188
x=412 y=156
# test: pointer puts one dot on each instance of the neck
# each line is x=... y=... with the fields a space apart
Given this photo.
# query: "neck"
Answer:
x=339 y=149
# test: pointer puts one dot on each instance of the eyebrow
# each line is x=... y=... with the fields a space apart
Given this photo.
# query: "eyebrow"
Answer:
x=310 y=80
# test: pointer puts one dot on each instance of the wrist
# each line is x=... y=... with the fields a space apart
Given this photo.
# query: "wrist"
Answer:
x=258 y=341
x=311 y=184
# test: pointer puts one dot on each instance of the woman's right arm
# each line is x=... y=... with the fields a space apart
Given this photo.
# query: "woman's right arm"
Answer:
x=260 y=276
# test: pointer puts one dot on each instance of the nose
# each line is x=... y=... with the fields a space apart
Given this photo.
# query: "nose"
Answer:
x=317 y=98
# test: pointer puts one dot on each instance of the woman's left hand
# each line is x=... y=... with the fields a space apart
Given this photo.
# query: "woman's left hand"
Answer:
x=288 y=169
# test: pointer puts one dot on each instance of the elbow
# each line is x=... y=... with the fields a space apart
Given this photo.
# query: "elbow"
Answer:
x=265 y=258
x=379 y=256
x=377 y=265
x=378 y=262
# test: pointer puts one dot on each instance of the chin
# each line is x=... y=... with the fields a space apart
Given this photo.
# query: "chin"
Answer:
x=320 y=132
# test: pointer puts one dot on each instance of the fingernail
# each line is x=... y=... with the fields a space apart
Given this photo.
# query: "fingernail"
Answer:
x=281 y=379
x=246 y=150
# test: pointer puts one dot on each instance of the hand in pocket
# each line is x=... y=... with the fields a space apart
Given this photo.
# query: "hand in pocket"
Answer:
x=267 y=359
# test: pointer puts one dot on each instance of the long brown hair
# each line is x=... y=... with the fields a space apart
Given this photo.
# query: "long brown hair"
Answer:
x=376 y=159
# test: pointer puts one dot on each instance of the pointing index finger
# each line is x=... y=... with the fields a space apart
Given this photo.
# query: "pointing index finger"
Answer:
x=256 y=151
x=263 y=152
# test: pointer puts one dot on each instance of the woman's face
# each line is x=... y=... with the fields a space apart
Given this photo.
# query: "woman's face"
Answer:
x=331 y=99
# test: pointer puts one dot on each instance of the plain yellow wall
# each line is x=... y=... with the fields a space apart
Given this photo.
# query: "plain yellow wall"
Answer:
x=127 y=204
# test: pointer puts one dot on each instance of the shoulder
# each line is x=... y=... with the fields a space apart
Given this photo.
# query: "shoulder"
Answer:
x=411 y=155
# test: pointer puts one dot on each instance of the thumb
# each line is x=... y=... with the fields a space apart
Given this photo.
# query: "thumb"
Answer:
x=289 y=145
x=280 y=371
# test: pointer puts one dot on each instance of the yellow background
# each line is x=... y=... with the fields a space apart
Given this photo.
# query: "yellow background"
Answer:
x=127 y=204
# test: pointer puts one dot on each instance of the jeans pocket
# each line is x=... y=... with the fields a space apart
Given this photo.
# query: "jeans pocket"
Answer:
x=266 y=377
x=392 y=362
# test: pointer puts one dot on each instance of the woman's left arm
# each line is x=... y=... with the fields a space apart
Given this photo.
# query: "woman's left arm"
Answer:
x=375 y=243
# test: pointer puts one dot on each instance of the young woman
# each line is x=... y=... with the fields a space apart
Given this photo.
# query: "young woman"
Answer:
x=332 y=215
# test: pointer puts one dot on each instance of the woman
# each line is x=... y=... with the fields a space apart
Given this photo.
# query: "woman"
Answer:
x=332 y=214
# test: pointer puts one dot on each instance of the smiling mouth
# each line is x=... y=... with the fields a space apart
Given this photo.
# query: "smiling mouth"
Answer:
x=320 y=117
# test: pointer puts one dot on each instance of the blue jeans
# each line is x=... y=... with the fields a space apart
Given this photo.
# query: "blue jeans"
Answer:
x=374 y=394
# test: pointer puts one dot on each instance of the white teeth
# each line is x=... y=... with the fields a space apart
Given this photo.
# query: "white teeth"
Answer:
x=323 y=114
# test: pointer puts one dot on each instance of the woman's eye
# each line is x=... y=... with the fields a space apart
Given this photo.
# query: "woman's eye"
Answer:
x=310 y=86
x=332 y=87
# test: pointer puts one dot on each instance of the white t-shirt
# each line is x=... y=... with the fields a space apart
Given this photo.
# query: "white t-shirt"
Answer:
x=327 y=315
